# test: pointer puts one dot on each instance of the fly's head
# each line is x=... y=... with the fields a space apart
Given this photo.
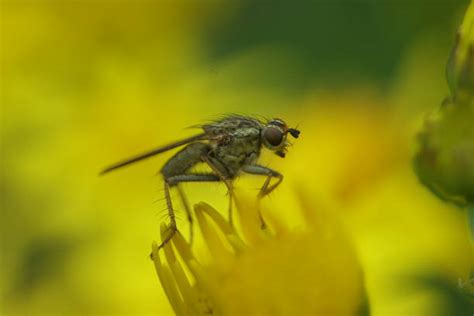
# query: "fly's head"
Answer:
x=274 y=136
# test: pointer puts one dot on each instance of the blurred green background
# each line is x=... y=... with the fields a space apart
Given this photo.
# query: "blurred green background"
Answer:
x=84 y=83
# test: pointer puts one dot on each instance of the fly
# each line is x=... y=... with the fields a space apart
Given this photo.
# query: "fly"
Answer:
x=229 y=147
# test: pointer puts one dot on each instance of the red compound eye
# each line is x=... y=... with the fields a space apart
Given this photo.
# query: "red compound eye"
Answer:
x=273 y=136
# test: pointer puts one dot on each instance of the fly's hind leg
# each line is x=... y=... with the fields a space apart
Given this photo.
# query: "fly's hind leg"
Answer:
x=190 y=177
x=174 y=181
x=172 y=227
x=266 y=188
x=174 y=172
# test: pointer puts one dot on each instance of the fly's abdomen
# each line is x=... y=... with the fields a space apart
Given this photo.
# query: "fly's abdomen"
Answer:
x=185 y=159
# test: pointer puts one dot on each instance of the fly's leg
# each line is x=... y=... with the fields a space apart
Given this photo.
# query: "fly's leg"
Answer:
x=174 y=181
x=266 y=187
x=185 y=203
x=223 y=175
x=174 y=172
x=191 y=177
x=172 y=227
x=269 y=173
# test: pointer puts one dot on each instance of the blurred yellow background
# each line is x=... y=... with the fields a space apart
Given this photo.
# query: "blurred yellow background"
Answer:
x=84 y=83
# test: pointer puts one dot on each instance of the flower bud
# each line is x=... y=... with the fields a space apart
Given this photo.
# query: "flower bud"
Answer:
x=445 y=161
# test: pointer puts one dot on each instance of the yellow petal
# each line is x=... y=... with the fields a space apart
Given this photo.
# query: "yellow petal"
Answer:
x=218 y=250
x=250 y=223
x=168 y=283
x=229 y=231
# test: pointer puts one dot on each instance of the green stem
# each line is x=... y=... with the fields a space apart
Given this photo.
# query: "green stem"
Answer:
x=470 y=218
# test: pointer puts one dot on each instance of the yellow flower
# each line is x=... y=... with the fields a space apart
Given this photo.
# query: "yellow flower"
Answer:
x=267 y=272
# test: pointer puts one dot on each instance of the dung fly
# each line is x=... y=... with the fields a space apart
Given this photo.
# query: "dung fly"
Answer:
x=228 y=146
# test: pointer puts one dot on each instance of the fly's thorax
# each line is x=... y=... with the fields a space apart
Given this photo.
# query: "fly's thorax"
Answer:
x=243 y=149
x=233 y=124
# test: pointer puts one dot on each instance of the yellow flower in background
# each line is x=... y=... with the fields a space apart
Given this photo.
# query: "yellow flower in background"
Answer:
x=279 y=272
x=90 y=84
x=399 y=228
x=81 y=82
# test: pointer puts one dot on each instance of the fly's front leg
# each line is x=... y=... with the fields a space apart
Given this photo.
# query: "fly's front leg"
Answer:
x=264 y=171
x=266 y=187
x=219 y=169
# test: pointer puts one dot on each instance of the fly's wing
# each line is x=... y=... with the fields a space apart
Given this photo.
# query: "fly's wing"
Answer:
x=154 y=152
x=230 y=124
